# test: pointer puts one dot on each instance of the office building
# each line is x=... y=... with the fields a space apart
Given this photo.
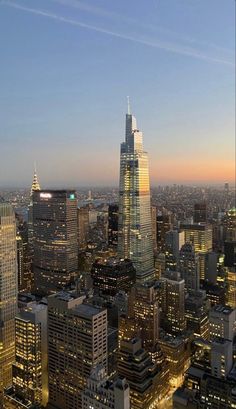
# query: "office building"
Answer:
x=34 y=187
x=164 y=224
x=200 y=213
x=77 y=342
x=199 y=235
x=222 y=322
x=55 y=262
x=154 y=227
x=184 y=398
x=160 y=265
x=135 y=240
x=30 y=377
x=189 y=267
x=104 y=393
x=221 y=357
x=174 y=240
x=177 y=351
x=230 y=254
x=143 y=314
x=172 y=303
x=83 y=227
x=113 y=215
x=8 y=294
x=197 y=314
x=211 y=267
x=229 y=225
x=112 y=275
x=112 y=348
x=24 y=270
x=147 y=380
x=202 y=390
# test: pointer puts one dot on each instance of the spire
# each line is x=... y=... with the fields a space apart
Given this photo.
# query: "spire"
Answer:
x=35 y=184
x=128 y=102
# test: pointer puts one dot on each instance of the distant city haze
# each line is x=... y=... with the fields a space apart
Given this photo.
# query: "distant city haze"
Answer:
x=67 y=67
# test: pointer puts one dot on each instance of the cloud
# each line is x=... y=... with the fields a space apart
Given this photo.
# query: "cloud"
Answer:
x=169 y=47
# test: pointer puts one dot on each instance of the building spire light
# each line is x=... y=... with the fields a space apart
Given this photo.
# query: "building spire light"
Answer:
x=129 y=109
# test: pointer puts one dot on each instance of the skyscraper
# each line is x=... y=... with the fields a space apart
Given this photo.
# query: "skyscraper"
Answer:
x=200 y=213
x=34 y=187
x=35 y=183
x=113 y=224
x=83 y=226
x=30 y=367
x=55 y=261
x=135 y=240
x=189 y=267
x=8 y=294
x=77 y=342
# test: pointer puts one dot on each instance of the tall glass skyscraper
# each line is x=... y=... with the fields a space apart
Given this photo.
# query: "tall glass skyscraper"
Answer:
x=8 y=294
x=135 y=226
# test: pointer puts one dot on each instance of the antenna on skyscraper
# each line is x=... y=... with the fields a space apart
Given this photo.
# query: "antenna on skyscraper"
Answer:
x=128 y=102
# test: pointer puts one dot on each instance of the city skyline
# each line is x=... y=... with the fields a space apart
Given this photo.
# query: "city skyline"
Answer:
x=59 y=90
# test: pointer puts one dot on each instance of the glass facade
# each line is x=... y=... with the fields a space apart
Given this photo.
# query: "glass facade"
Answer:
x=8 y=294
x=135 y=226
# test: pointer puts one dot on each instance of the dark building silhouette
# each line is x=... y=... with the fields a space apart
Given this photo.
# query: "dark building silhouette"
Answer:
x=113 y=214
x=200 y=213
x=55 y=261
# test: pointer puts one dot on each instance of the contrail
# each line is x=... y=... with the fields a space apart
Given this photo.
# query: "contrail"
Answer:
x=79 y=5
x=157 y=44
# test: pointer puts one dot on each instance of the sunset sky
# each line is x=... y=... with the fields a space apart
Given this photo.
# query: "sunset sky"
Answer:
x=67 y=66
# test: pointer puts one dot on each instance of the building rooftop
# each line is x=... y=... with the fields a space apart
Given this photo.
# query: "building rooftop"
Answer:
x=65 y=296
x=222 y=309
x=87 y=310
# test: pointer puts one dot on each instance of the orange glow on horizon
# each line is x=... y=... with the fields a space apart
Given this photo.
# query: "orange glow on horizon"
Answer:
x=193 y=170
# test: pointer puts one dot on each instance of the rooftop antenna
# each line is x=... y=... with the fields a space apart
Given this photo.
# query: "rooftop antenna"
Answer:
x=128 y=102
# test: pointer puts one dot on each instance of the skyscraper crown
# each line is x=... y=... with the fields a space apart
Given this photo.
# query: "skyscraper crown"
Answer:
x=35 y=184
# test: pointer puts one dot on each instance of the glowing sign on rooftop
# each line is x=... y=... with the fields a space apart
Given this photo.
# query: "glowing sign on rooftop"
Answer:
x=45 y=195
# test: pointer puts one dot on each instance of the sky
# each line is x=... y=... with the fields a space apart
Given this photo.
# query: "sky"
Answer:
x=67 y=66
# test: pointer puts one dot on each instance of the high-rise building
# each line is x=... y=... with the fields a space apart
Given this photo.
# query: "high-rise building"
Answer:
x=23 y=259
x=177 y=351
x=55 y=261
x=104 y=393
x=147 y=380
x=34 y=187
x=112 y=275
x=222 y=322
x=8 y=294
x=83 y=226
x=30 y=377
x=164 y=224
x=221 y=357
x=197 y=313
x=173 y=306
x=230 y=255
x=200 y=213
x=229 y=225
x=113 y=215
x=200 y=235
x=174 y=240
x=154 y=228
x=189 y=267
x=77 y=342
x=144 y=313
x=135 y=240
